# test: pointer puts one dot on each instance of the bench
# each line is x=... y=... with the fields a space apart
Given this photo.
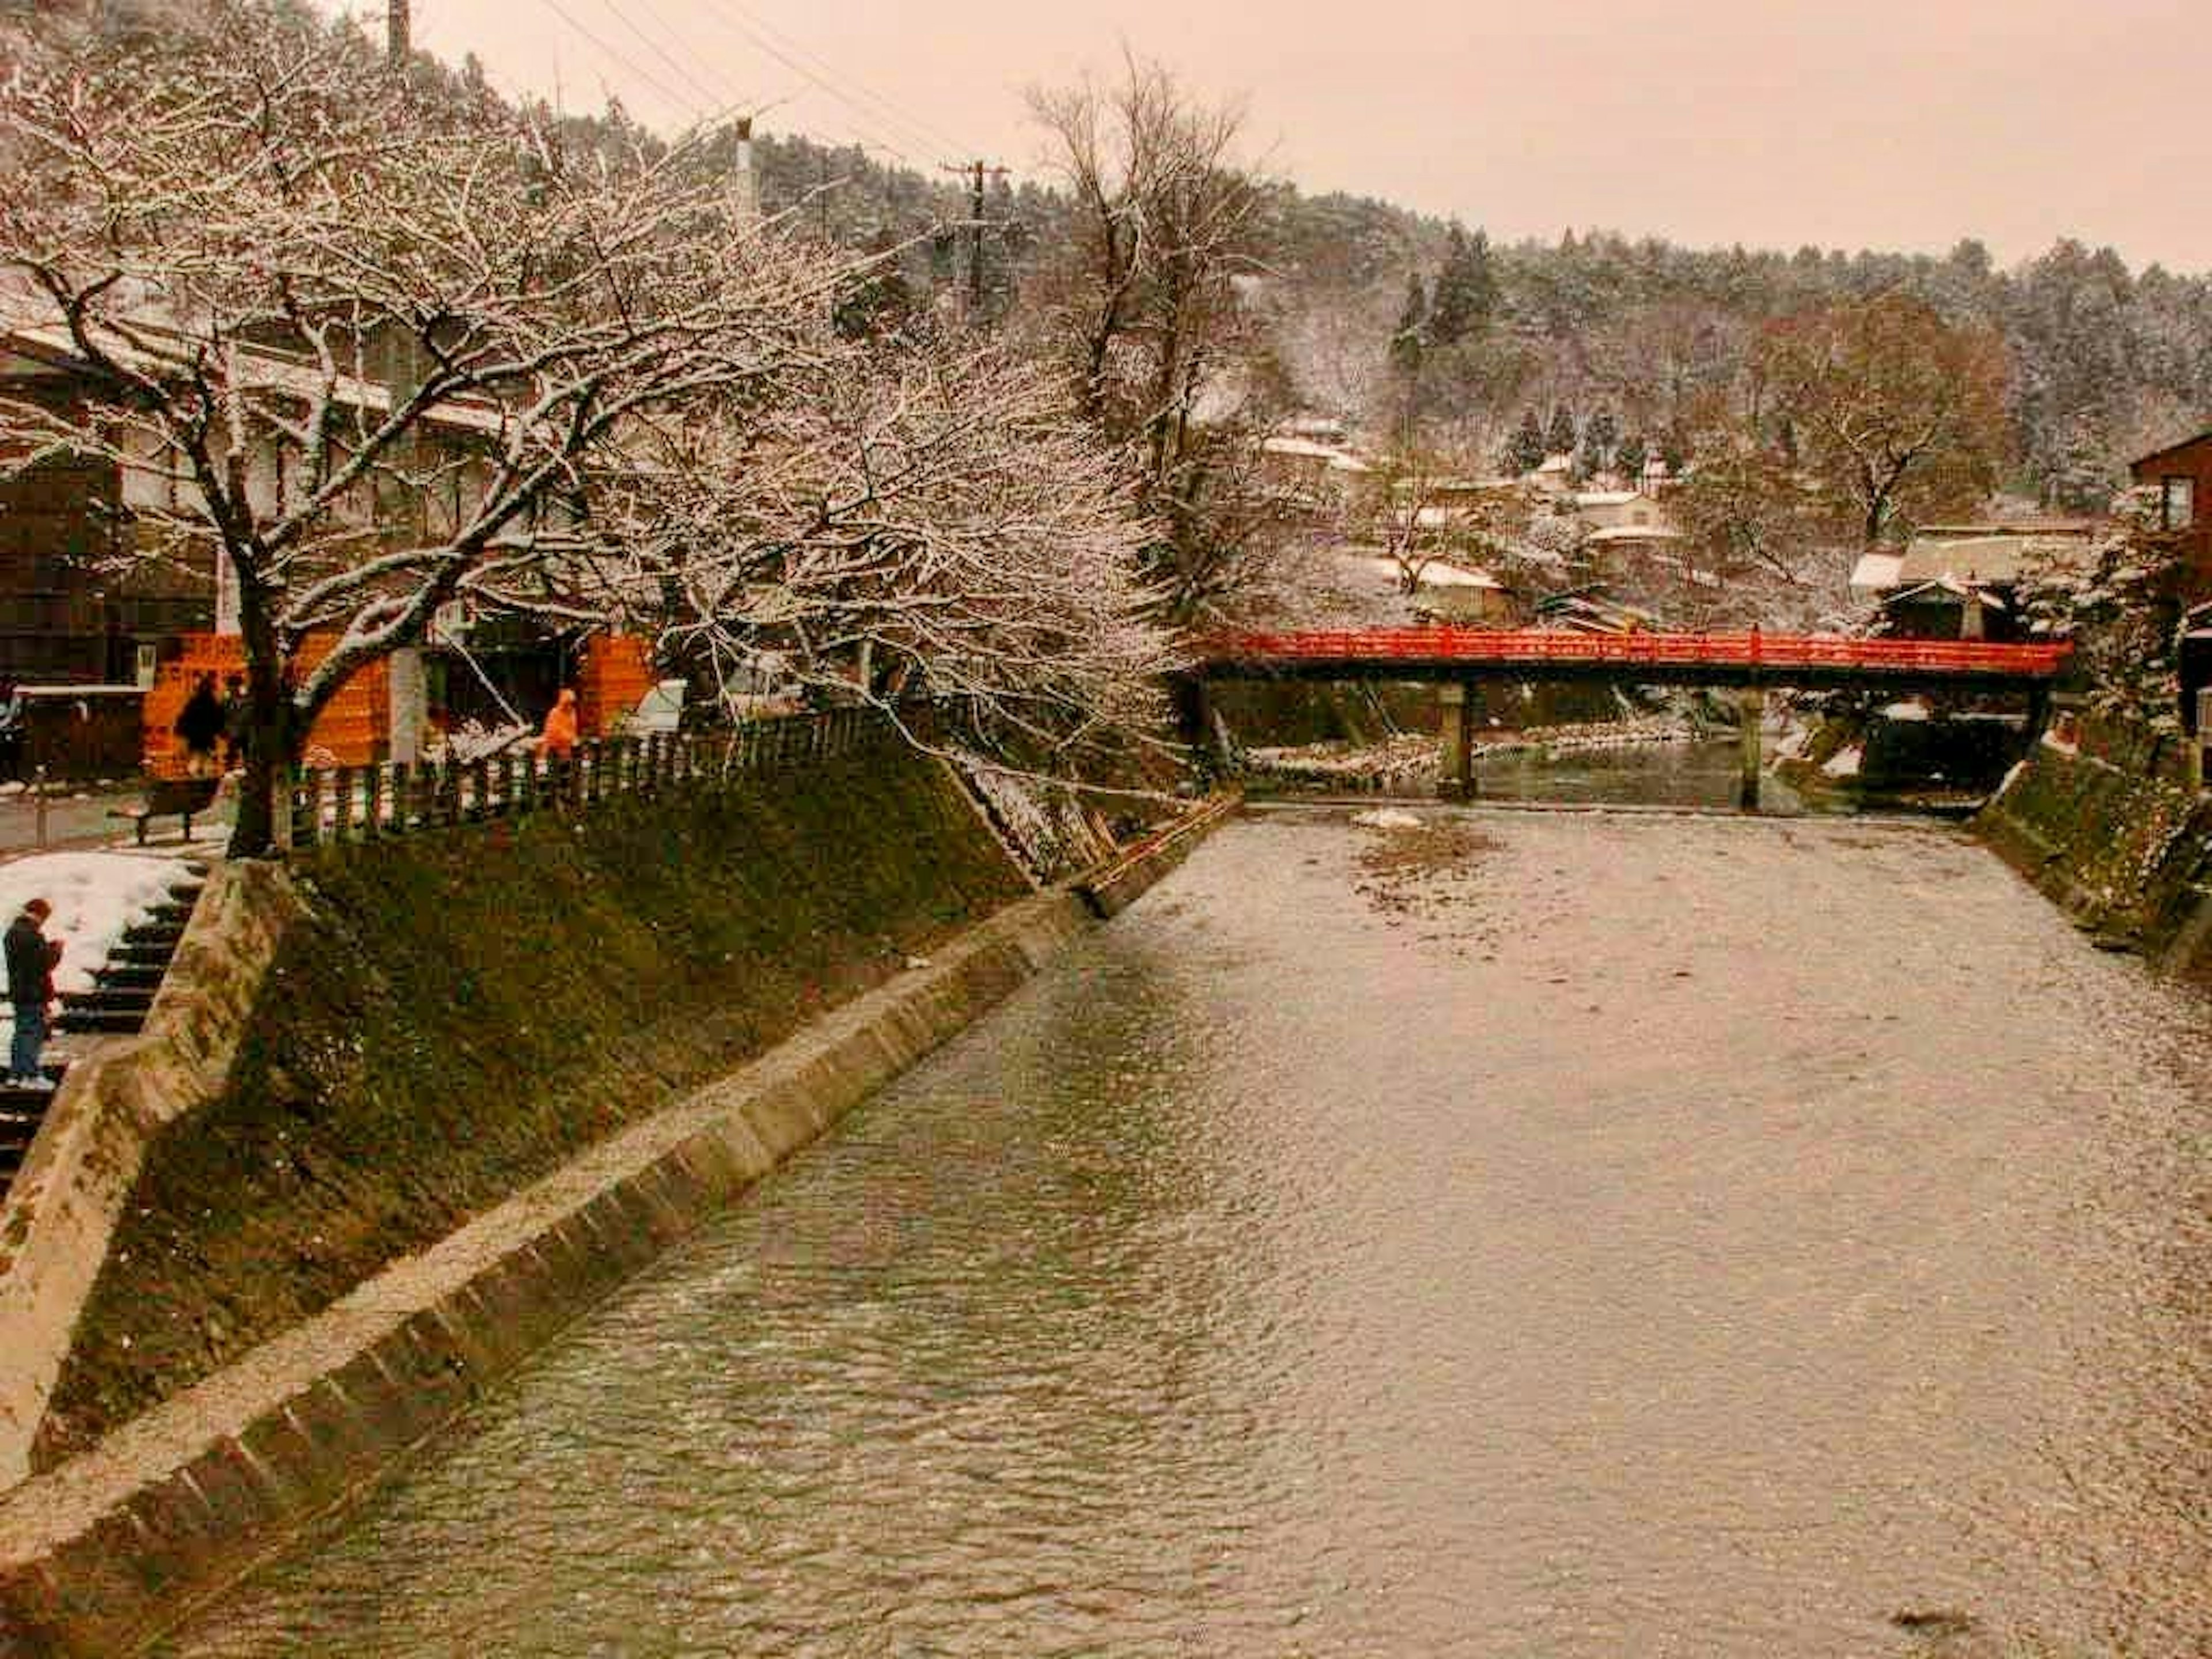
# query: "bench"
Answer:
x=164 y=797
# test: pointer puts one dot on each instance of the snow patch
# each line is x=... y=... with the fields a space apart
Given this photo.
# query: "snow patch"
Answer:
x=1844 y=764
x=1905 y=711
x=95 y=896
x=1388 y=818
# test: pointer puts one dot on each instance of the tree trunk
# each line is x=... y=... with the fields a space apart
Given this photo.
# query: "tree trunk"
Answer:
x=274 y=733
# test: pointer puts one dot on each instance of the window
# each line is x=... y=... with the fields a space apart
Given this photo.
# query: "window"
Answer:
x=2176 y=503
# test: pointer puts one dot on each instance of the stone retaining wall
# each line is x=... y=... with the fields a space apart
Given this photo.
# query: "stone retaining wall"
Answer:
x=2127 y=854
x=62 y=1209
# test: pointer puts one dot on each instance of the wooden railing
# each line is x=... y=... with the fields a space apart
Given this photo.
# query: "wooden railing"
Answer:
x=334 y=805
x=1536 y=647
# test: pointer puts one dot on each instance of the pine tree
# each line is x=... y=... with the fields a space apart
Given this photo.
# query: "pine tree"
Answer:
x=1524 y=453
x=1406 y=341
x=1560 y=439
x=1629 y=456
x=1467 y=289
x=1602 y=437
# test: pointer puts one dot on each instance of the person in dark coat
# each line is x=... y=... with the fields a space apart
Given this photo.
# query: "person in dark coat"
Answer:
x=200 y=726
x=31 y=957
x=235 y=716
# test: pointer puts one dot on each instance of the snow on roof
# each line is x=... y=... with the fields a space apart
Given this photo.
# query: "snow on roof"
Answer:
x=1557 y=463
x=95 y=895
x=1606 y=497
x=1435 y=574
x=263 y=370
x=1305 y=448
x=1991 y=557
x=1348 y=464
x=1875 y=572
x=1635 y=532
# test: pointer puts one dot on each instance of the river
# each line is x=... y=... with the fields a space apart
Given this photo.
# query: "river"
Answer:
x=1525 y=1234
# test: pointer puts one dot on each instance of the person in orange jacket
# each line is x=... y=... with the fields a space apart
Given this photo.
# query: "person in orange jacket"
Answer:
x=557 y=739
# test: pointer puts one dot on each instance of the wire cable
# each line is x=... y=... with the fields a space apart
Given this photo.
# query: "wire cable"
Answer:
x=714 y=100
x=917 y=134
x=677 y=99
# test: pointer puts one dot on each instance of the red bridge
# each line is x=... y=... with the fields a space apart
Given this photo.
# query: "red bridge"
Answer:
x=1750 y=662
x=1813 y=661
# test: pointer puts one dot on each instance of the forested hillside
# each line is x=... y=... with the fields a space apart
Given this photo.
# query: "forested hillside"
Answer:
x=2106 y=362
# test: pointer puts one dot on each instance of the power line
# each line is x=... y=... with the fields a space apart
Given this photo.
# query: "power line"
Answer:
x=918 y=133
x=659 y=51
x=899 y=113
x=674 y=97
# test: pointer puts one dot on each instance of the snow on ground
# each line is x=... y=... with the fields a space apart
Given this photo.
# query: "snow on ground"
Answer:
x=95 y=896
x=1387 y=818
x=1844 y=764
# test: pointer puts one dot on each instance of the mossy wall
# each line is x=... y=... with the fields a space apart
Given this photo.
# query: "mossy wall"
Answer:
x=2127 y=852
x=462 y=1011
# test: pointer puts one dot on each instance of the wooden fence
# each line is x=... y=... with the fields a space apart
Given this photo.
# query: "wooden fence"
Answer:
x=335 y=805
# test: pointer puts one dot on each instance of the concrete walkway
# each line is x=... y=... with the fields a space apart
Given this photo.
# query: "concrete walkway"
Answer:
x=76 y=816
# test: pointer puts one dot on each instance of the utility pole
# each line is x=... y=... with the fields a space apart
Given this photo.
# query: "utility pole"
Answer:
x=975 y=172
x=396 y=44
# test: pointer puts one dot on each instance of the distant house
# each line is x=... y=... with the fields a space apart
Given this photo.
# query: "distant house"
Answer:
x=2182 y=475
x=1625 y=522
x=1319 y=472
x=1961 y=581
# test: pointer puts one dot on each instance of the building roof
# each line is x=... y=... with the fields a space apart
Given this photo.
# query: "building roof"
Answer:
x=1435 y=574
x=256 y=367
x=2161 y=454
x=1976 y=555
x=1333 y=456
x=1634 y=532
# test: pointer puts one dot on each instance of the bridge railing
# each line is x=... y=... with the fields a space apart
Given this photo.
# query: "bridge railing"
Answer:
x=1537 y=646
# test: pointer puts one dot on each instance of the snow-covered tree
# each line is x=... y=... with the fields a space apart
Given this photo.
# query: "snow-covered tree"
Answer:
x=932 y=521
x=1895 y=409
x=353 y=351
x=1524 y=450
x=1561 y=436
x=1407 y=340
x=2120 y=606
x=1142 y=303
x=1466 y=289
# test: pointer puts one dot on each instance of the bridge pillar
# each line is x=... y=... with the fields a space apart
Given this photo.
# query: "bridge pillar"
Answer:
x=1751 y=716
x=1194 y=709
x=1455 y=742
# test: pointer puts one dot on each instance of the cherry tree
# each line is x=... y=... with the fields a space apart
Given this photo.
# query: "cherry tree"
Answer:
x=356 y=351
x=928 y=519
x=1146 y=305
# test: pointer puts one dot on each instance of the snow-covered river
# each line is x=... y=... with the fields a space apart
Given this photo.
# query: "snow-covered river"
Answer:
x=1523 y=1235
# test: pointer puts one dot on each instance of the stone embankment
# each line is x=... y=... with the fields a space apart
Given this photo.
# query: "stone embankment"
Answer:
x=454 y=1090
x=2111 y=833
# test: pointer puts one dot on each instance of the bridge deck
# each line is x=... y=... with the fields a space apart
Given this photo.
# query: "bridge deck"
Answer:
x=1805 y=659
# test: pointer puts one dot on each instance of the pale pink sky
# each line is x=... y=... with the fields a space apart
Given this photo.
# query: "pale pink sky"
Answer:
x=1886 y=124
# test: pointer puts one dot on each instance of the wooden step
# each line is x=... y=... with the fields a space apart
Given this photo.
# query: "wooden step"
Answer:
x=154 y=933
x=92 y=1021
x=109 y=996
x=131 y=975
x=141 y=956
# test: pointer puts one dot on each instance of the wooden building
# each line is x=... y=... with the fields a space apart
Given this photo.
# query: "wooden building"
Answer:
x=2182 y=475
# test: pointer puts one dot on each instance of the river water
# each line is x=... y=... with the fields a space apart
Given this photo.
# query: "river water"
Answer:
x=1519 y=1235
